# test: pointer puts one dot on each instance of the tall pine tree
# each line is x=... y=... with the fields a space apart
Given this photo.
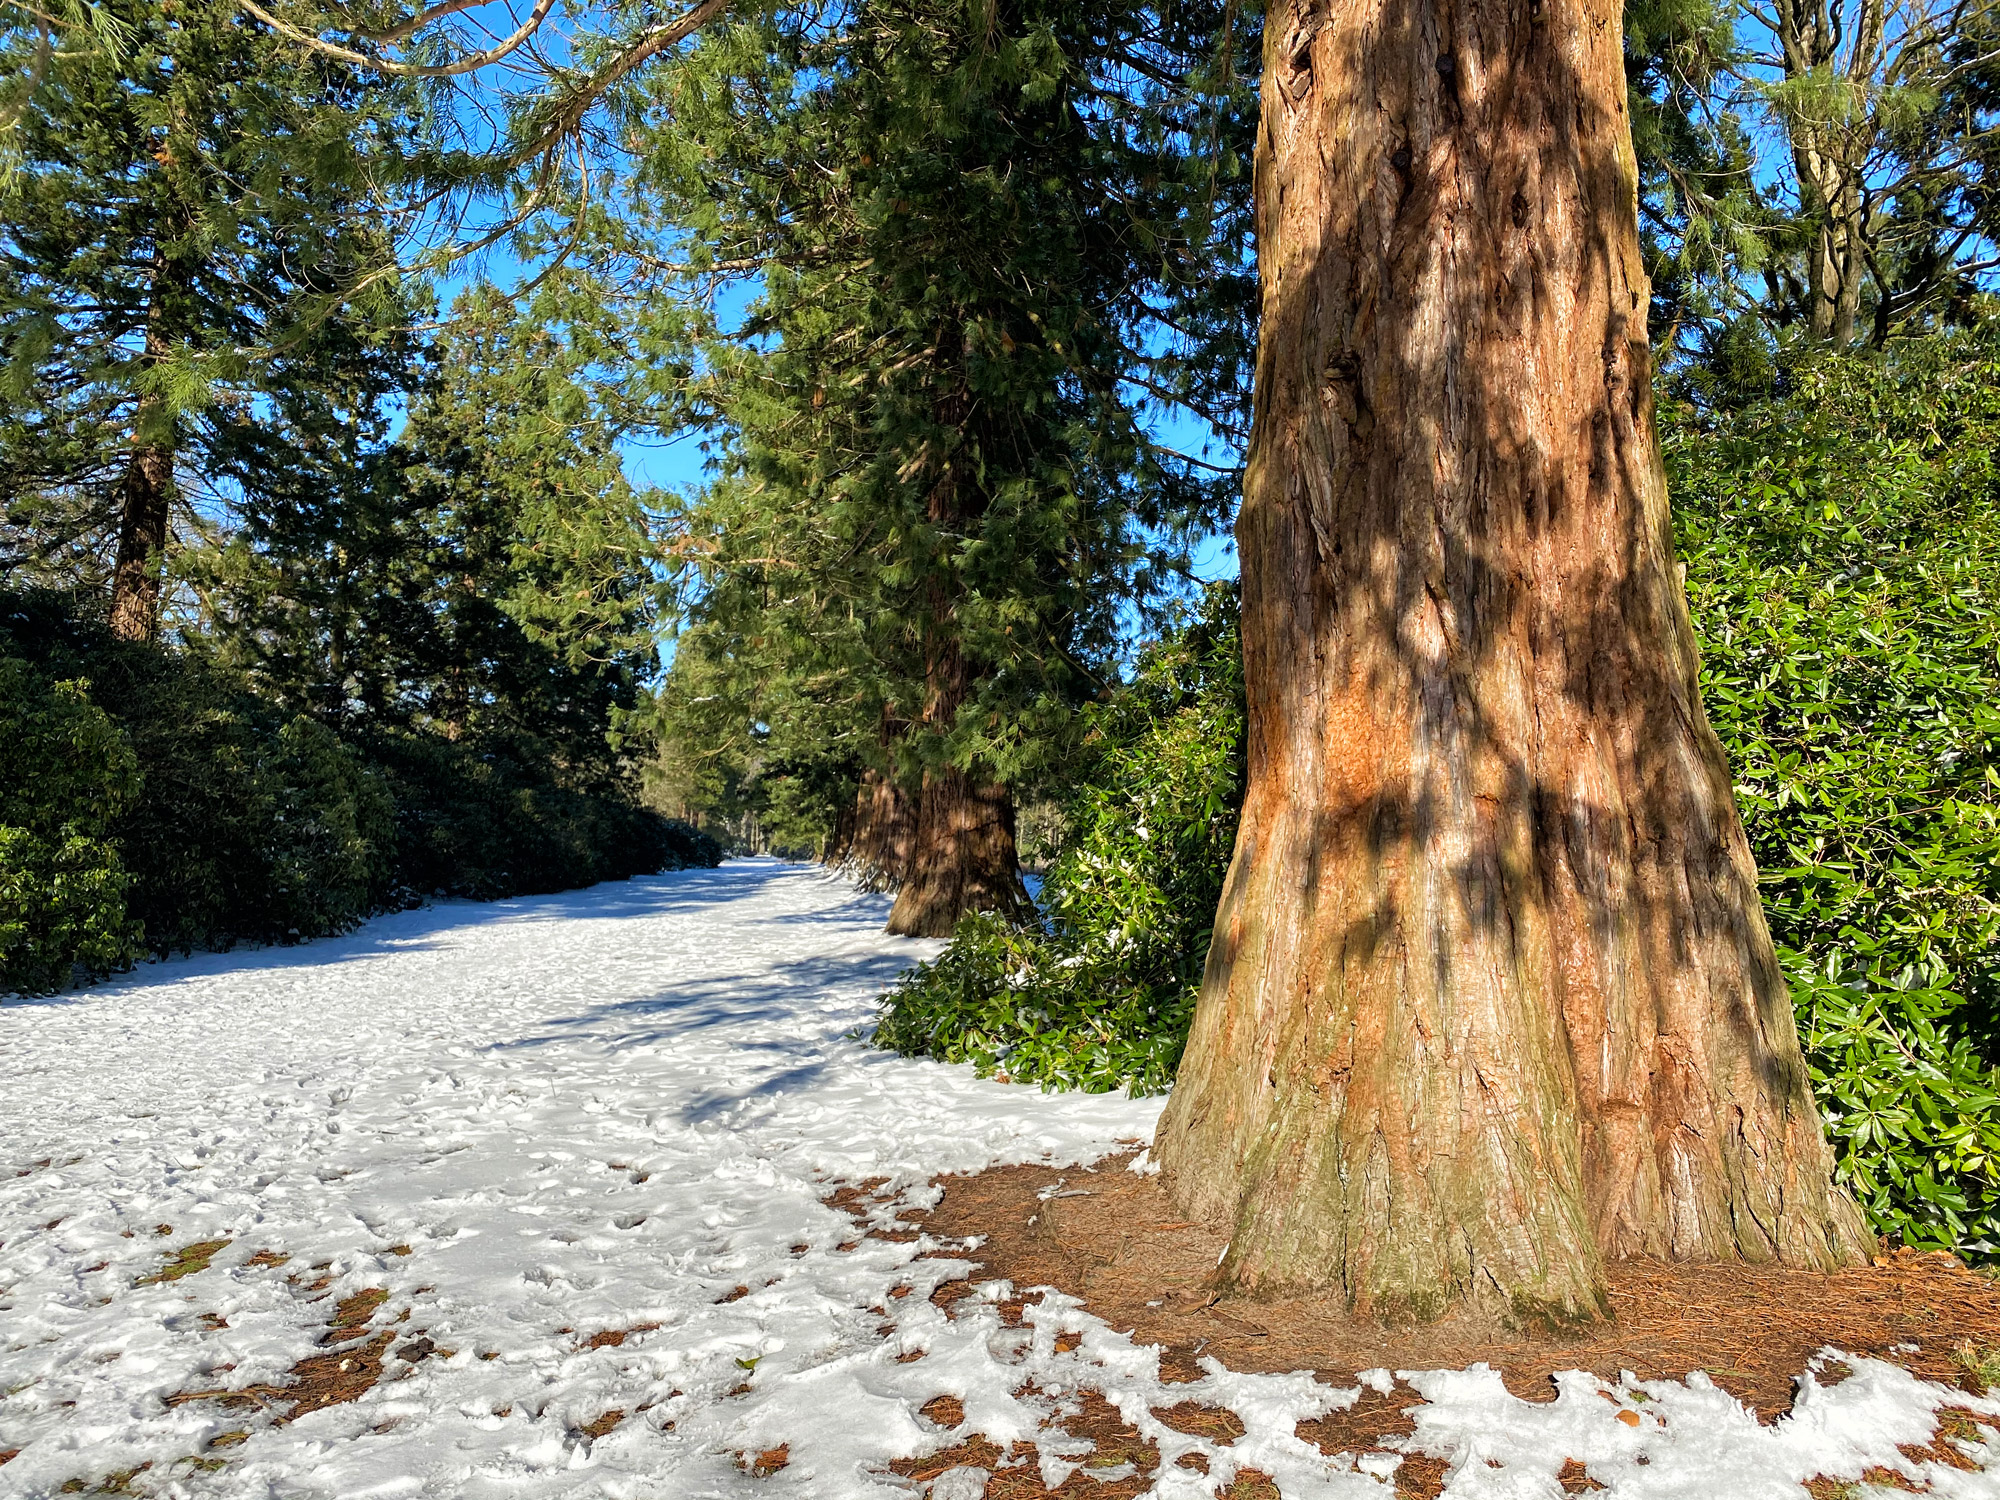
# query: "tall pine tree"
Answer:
x=197 y=279
x=987 y=238
x=489 y=576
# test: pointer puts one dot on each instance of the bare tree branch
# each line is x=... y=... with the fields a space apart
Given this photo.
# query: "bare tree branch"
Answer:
x=470 y=63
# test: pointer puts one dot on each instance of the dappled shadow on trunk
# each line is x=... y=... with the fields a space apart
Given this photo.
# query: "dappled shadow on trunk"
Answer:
x=963 y=857
x=872 y=845
x=1490 y=996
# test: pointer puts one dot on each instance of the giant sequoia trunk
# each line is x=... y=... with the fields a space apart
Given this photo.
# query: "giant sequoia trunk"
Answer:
x=962 y=855
x=1490 y=997
x=883 y=823
x=840 y=843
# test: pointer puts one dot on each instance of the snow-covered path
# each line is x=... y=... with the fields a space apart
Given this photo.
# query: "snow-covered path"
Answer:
x=536 y=1122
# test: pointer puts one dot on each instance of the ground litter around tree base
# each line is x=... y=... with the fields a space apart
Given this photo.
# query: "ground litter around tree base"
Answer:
x=1106 y=1241
x=1114 y=1239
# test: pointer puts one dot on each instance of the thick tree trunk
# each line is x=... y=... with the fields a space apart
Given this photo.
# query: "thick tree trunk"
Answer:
x=1847 y=303
x=884 y=823
x=1830 y=156
x=840 y=843
x=963 y=859
x=1490 y=996
x=962 y=855
x=1834 y=268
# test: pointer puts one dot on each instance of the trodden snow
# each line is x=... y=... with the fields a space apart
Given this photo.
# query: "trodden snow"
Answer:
x=538 y=1120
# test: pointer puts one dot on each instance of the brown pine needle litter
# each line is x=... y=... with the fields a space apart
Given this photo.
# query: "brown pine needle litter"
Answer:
x=1114 y=1239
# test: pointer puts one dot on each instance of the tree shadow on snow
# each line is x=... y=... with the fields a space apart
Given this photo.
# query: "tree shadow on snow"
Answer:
x=710 y=1001
x=797 y=1059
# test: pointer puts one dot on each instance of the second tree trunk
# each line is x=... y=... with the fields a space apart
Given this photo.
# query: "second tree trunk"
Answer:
x=144 y=517
x=877 y=851
x=962 y=857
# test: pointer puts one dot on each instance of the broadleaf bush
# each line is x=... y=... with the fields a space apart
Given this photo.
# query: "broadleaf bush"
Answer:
x=1842 y=544
x=62 y=884
x=1098 y=992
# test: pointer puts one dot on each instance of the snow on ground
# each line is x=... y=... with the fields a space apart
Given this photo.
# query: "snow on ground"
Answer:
x=541 y=1120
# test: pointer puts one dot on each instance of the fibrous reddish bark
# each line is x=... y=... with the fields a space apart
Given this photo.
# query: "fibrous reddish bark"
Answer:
x=840 y=843
x=1491 y=996
x=962 y=858
x=881 y=826
x=962 y=855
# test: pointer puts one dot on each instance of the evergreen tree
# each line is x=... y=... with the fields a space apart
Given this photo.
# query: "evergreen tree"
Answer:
x=775 y=754
x=1491 y=999
x=197 y=282
x=1812 y=175
x=987 y=240
x=489 y=576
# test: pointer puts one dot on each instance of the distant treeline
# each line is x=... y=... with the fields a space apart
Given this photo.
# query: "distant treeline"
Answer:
x=154 y=802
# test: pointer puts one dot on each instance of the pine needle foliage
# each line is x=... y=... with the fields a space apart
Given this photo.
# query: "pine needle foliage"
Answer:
x=985 y=240
x=404 y=679
x=491 y=573
x=197 y=252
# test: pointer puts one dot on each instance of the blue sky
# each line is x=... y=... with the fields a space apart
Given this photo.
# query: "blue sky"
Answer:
x=679 y=463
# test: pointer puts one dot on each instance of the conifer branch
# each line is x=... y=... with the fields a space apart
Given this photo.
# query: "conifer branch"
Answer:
x=470 y=63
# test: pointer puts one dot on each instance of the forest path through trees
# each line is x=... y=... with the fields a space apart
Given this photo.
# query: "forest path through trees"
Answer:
x=531 y=1124
x=545 y=1197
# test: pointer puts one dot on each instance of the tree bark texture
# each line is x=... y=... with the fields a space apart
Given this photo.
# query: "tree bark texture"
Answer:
x=1831 y=151
x=840 y=843
x=962 y=854
x=144 y=499
x=145 y=496
x=963 y=858
x=1490 y=996
x=883 y=823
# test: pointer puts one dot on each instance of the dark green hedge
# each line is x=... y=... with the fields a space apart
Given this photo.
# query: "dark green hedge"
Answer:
x=154 y=803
